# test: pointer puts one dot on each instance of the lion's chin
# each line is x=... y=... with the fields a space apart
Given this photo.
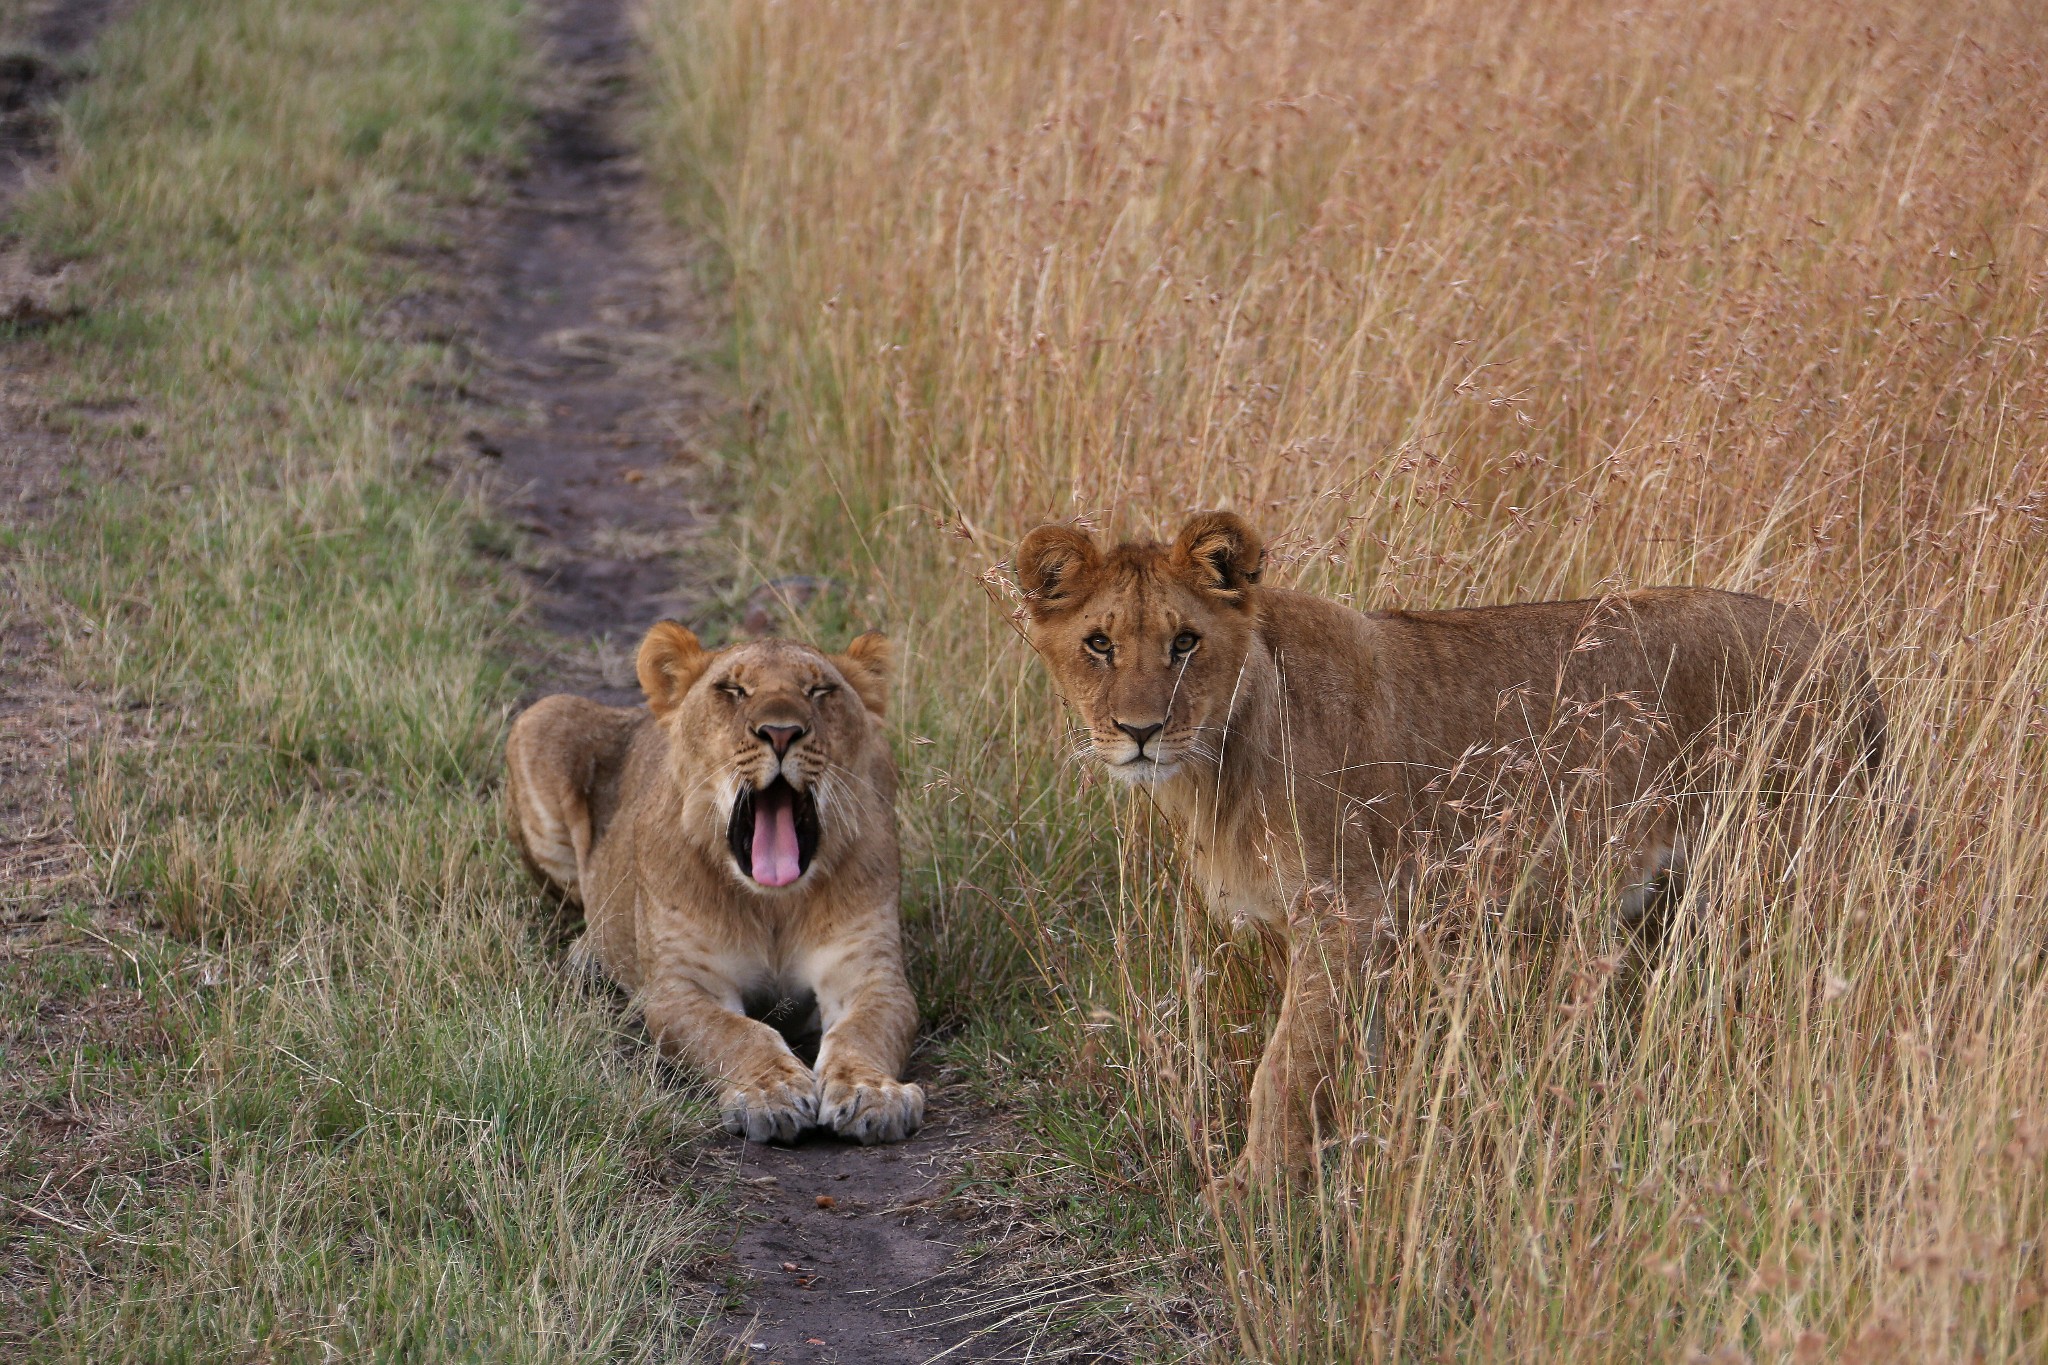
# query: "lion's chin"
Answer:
x=1144 y=771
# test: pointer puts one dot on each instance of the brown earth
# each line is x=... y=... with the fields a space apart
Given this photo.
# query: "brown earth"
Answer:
x=44 y=720
x=590 y=331
x=39 y=43
x=70 y=997
x=41 y=718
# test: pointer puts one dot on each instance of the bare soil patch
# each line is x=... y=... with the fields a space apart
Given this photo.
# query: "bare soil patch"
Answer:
x=590 y=329
x=854 y=1254
x=591 y=333
x=39 y=41
x=71 y=1006
x=43 y=719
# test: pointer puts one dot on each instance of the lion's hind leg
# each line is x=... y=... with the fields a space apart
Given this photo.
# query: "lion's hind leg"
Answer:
x=547 y=790
x=1657 y=884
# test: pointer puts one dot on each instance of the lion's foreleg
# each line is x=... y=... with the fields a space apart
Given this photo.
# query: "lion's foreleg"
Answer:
x=769 y=1094
x=1334 y=945
x=869 y=1018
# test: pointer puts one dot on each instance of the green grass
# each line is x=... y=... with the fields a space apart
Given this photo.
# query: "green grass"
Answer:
x=348 y=1103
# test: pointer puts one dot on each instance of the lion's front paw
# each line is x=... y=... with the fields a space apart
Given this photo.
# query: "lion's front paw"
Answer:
x=872 y=1110
x=773 y=1111
x=1262 y=1166
x=1232 y=1185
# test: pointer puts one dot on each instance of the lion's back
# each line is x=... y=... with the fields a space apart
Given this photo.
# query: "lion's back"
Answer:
x=1703 y=662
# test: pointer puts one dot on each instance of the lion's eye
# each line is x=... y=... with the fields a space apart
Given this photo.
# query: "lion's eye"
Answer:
x=1099 y=645
x=732 y=689
x=821 y=690
x=1184 y=644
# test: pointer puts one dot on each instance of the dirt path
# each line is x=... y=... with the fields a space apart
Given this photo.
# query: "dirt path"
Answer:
x=37 y=42
x=590 y=336
x=587 y=332
x=42 y=718
x=63 y=993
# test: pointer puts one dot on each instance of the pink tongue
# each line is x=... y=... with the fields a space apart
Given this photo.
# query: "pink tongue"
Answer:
x=775 y=856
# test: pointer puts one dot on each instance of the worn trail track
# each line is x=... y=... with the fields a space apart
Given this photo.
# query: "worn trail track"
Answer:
x=41 y=718
x=52 y=1156
x=586 y=329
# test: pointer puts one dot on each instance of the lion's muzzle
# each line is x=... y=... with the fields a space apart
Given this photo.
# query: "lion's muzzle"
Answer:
x=1126 y=763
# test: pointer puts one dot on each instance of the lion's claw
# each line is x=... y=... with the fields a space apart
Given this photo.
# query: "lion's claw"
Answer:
x=873 y=1110
x=775 y=1112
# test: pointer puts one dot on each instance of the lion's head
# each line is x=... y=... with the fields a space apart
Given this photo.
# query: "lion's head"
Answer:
x=774 y=743
x=1145 y=641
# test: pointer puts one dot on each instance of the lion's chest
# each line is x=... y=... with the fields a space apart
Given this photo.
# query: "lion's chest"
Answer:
x=1240 y=863
x=1240 y=882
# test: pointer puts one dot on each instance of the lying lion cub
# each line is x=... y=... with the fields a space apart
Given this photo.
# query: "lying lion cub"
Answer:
x=733 y=845
x=1314 y=759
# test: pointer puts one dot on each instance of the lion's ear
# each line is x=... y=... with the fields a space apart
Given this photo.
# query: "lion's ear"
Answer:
x=670 y=662
x=1219 y=554
x=865 y=666
x=1051 y=563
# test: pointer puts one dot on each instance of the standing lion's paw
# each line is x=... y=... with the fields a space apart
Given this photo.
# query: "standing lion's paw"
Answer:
x=872 y=1110
x=1230 y=1187
x=773 y=1112
x=1267 y=1167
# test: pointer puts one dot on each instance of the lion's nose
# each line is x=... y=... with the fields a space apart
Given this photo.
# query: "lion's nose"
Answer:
x=1141 y=734
x=780 y=737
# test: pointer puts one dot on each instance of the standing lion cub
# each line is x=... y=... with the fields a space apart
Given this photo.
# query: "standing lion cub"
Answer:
x=733 y=846
x=1314 y=761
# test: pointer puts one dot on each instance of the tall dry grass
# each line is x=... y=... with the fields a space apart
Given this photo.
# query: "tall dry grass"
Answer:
x=1462 y=303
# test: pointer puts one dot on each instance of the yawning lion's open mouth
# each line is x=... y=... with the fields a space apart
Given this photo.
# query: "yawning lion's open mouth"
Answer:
x=774 y=832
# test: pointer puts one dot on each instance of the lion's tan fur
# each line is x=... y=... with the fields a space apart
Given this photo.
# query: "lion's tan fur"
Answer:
x=1316 y=758
x=624 y=811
